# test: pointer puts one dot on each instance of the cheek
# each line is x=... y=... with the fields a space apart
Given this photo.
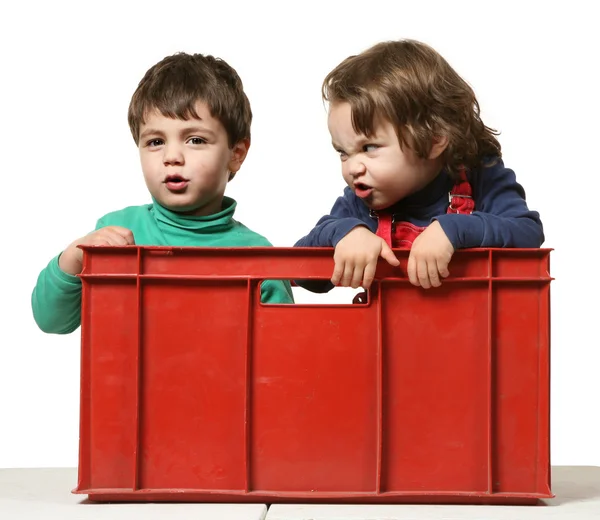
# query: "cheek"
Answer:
x=204 y=163
x=345 y=172
x=148 y=164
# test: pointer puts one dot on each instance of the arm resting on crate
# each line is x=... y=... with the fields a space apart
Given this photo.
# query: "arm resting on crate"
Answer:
x=501 y=217
x=56 y=300
x=330 y=229
x=345 y=215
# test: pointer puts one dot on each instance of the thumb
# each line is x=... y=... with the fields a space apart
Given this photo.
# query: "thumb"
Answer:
x=388 y=255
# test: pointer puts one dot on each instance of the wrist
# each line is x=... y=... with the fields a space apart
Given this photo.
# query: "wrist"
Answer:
x=68 y=262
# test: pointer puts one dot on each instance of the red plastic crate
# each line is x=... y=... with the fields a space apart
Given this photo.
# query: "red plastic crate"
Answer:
x=193 y=390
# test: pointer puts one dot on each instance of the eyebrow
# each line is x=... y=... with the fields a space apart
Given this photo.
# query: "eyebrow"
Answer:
x=185 y=130
x=361 y=141
x=199 y=129
x=150 y=131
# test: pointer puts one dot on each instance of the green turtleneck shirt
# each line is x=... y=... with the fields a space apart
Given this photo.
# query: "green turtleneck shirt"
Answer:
x=56 y=298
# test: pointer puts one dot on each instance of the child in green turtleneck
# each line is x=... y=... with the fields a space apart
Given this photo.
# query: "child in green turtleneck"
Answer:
x=191 y=120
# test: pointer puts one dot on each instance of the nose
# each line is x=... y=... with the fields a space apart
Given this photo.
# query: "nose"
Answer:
x=173 y=154
x=355 y=167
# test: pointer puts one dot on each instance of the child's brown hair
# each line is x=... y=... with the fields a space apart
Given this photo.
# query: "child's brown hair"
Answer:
x=412 y=86
x=175 y=84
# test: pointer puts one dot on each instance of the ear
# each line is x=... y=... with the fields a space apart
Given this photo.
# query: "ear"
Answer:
x=439 y=144
x=238 y=155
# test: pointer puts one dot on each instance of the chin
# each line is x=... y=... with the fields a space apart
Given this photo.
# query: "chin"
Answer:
x=378 y=206
x=177 y=208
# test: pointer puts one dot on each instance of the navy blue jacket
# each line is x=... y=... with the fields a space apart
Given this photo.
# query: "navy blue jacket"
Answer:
x=501 y=217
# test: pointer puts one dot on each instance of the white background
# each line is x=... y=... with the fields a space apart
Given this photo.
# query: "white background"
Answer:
x=68 y=70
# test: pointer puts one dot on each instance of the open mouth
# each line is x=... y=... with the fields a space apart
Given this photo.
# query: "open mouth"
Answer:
x=176 y=182
x=362 y=190
x=175 y=178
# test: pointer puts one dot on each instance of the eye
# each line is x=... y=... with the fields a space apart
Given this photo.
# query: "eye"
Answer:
x=196 y=140
x=370 y=148
x=343 y=155
x=155 y=142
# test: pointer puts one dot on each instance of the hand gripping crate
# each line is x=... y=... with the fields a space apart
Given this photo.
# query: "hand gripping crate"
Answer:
x=193 y=390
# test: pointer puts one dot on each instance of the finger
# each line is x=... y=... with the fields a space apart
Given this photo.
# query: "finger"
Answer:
x=412 y=270
x=113 y=237
x=127 y=234
x=338 y=271
x=388 y=255
x=101 y=239
x=369 y=274
x=357 y=277
x=432 y=271
x=442 y=266
x=423 y=274
x=348 y=273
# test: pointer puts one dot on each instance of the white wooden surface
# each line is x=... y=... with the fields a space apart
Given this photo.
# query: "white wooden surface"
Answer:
x=46 y=494
x=577 y=490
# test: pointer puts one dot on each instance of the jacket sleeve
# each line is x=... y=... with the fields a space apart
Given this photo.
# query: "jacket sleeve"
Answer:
x=501 y=218
x=56 y=298
x=330 y=229
x=276 y=291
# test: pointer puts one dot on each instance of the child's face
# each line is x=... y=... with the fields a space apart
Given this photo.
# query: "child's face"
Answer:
x=377 y=169
x=186 y=164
